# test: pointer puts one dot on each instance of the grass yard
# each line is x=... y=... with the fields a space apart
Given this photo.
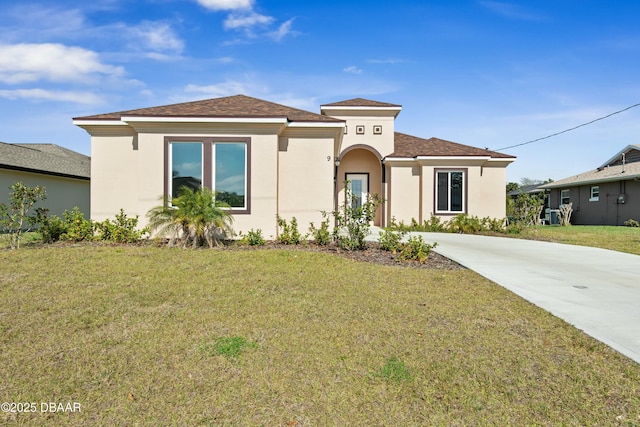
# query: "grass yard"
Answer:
x=158 y=336
x=622 y=239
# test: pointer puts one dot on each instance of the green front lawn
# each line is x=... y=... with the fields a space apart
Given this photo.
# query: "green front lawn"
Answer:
x=622 y=239
x=157 y=336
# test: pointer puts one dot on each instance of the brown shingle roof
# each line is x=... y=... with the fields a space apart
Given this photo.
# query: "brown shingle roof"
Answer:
x=411 y=146
x=360 y=102
x=607 y=174
x=238 y=106
x=49 y=159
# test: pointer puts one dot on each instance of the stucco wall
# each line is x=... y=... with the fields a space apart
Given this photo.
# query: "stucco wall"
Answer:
x=487 y=191
x=404 y=192
x=412 y=189
x=62 y=193
x=114 y=177
x=383 y=142
x=129 y=172
x=305 y=184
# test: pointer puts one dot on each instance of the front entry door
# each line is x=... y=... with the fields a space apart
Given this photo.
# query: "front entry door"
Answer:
x=358 y=183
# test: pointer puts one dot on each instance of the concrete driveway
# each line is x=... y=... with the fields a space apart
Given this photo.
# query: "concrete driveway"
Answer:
x=596 y=290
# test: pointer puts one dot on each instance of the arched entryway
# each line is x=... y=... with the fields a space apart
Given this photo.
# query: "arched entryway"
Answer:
x=362 y=166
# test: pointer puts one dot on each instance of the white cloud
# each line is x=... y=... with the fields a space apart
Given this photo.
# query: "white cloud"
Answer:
x=26 y=62
x=226 y=4
x=52 y=95
x=283 y=30
x=158 y=37
x=352 y=70
x=236 y=21
x=37 y=22
x=227 y=88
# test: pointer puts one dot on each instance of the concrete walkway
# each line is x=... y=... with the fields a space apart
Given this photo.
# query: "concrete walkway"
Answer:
x=596 y=290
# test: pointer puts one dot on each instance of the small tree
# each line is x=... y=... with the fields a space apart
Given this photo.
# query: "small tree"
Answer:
x=15 y=218
x=526 y=208
x=565 y=214
x=352 y=222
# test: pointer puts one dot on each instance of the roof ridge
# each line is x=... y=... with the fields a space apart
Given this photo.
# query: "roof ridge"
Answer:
x=235 y=106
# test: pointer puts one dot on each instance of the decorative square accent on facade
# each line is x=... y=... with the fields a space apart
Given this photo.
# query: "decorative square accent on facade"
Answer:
x=345 y=129
x=377 y=130
x=360 y=130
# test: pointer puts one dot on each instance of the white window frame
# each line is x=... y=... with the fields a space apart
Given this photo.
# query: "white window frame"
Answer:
x=464 y=191
x=595 y=193
x=208 y=164
x=563 y=197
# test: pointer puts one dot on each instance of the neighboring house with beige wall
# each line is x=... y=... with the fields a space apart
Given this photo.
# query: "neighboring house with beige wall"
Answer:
x=64 y=173
x=267 y=159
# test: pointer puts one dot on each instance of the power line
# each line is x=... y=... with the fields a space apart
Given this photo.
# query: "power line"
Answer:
x=568 y=130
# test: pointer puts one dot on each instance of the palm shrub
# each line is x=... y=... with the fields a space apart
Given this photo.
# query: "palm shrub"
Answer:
x=194 y=218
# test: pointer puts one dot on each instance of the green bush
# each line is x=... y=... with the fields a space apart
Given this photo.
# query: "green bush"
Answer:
x=632 y=223
x=254 y=238
x=77 y=228
x=289 y=234
x=121 y=230
x=52 y=228
x=463 y=223
x=416 y=249
x=433 y=224
x=391 y=240
x=322 y=235
x=492 y=224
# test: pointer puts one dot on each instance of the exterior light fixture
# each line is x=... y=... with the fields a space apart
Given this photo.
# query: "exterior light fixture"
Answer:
x=337 y=162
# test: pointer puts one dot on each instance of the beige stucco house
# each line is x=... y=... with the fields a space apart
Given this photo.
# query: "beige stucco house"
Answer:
x=267 y=159
x=64 y=173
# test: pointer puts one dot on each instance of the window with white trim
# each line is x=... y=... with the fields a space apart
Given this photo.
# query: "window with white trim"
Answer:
x=595 y=193
x=564 y=197
x=450 y=191
x=222 y=164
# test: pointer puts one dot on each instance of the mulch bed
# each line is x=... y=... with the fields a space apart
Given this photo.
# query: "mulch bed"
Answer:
x=372 y=254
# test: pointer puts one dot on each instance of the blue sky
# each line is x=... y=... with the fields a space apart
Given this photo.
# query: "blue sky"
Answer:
x=479 y=72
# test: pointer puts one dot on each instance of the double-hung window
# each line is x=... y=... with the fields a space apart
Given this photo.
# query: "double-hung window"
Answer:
x=222 y=164
x=450 y=191
x=564 y=197
x=595 y=194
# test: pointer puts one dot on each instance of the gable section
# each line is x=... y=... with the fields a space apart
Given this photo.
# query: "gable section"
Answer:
x=630 y=154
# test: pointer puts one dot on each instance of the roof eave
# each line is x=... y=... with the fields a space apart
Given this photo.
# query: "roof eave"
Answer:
x=620 y=177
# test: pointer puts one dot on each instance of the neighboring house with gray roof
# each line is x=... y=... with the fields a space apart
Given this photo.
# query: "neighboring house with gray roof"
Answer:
x=64 y=173
x=268 y=159
x=608 y=195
